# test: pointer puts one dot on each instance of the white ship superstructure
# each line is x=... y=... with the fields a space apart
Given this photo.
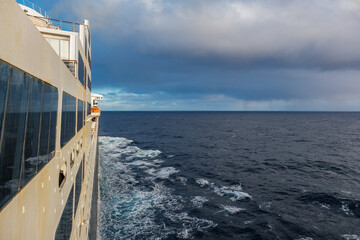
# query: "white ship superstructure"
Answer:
x=48 y=135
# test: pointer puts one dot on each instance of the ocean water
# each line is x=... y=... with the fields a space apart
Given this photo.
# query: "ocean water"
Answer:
x=237 y=175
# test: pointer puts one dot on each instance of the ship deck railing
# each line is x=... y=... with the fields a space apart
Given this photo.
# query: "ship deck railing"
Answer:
x=56 y=24
x=48 y=22
x=33 y=6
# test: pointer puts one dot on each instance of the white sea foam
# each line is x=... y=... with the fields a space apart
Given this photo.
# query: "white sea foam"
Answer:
x=304 y=238
x=232 y=209
x=191 y=224
x=158 y=161
x=346 y=192
x=133 y=213
x=150 y=171
x=113 y=143
x=235 y=192
x=130 y=204
x=136 y=152
x=165 y=172
x=120 y=166
x=162 y=173
x=265 y=205
x=199 y=201
x=118 y=147
x=141 y=163
x=324 y=205
x=183 y=180
x=202 y=182
x=350 y=237
x=184 y=234
x=345 y=209
x=249 y=222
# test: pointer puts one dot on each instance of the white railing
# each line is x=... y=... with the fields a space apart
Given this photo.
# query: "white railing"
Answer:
x=33 y=6
x=57 y=24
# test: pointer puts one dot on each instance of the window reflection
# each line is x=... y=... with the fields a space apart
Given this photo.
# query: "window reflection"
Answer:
x=4 y=79
x=81 y=69
x=68 y=118
x=54 y=108
x=44 y=127
x=86 y=46
x=32 y=130
x=64 y=228
x=80 y=115
x=85 y=75
x=12 y=140
x=89 y=83
x=28 y=128
x=88 y=108
x=78 y=184
x=89 y=59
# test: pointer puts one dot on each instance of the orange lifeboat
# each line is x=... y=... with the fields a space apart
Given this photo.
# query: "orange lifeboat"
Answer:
x=95 y=112
x=95 y=109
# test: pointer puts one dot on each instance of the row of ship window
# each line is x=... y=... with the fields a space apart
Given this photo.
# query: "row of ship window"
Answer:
x=87 y=49
x=82 y=73
x=28 y=119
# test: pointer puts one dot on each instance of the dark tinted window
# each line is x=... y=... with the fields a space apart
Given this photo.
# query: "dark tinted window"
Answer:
x=80 y=115
x=68 y=118
x=4 y=80
x=89 y=59
x=85 y=79
x=32 y=130
x=78 y=184
x=89 y=84
x=64 y=228
x=88 y=109
x=81 y=69
x=89 y=56
x=12 y=140
x=21 y=105
x=86 y=45
x=45 y=127
x=53 y=122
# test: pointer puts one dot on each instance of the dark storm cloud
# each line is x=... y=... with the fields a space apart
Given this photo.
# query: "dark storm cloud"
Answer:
x=320 y=33
x=244 y=50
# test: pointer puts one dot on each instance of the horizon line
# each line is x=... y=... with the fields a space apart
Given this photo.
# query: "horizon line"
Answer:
x=303 y=111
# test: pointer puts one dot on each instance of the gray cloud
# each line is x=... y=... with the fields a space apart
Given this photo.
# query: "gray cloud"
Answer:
x=224 y=54
x=300 y=33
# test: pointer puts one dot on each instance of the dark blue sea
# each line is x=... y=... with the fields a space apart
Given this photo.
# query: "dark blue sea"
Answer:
x=229 y=175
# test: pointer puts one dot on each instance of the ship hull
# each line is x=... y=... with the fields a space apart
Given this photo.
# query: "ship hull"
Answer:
x=58 y=200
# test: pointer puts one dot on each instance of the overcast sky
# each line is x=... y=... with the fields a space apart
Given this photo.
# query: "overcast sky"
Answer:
x=222 y=54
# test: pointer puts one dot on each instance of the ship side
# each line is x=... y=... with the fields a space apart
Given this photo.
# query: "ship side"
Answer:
x=48 y=141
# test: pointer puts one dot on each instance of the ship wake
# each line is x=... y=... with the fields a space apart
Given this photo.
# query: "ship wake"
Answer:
x=135 y=202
